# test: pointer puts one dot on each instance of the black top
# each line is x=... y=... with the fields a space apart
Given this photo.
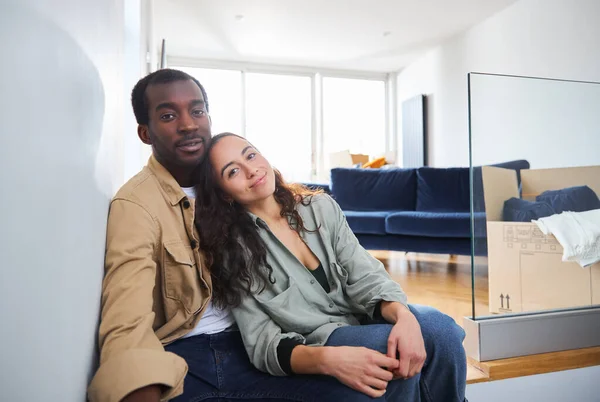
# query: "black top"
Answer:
x=319 y=274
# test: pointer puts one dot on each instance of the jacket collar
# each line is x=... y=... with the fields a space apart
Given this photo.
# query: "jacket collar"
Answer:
x=166 y=181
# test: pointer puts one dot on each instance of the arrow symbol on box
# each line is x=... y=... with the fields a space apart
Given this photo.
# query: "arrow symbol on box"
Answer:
x=507 y=301
x=501 y=300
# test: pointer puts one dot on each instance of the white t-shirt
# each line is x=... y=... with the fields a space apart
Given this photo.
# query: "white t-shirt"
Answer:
x=213 y=320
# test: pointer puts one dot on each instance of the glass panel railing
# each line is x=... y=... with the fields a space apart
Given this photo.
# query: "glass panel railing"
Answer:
x=535 y=169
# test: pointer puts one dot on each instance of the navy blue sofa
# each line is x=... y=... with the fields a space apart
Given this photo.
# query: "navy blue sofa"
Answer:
x=420 y=210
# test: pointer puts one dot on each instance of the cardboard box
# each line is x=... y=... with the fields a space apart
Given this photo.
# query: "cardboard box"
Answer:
x=346 y=159
x=359 y=158
x=525 y=267
x=596 y=285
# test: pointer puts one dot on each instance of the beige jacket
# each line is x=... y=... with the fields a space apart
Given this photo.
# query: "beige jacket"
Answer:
x=155 y=289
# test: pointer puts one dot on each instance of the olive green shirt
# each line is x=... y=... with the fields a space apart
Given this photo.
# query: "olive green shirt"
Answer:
x=296 y=305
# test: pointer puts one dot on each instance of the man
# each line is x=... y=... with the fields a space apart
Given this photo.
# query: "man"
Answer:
x=157 y=318
x=156 y=285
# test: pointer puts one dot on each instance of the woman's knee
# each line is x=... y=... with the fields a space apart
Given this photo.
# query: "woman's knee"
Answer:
x=374 y=336
x=439 y=329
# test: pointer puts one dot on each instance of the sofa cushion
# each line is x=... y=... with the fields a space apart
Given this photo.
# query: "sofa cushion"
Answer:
x=374 y=189
x=443 y=189
x=519 y=210
x=433 y=224
x=367 y=222
x=575 y=199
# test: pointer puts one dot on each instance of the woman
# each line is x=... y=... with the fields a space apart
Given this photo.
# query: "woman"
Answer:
x=300 y=285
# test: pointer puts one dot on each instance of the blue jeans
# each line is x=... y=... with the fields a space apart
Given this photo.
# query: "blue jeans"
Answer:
x=444 y=374
x=219 y=368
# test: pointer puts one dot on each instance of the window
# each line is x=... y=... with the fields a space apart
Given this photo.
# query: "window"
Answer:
x=224 y=92
x=279 y=122
x=276 y=113
x=353 y=116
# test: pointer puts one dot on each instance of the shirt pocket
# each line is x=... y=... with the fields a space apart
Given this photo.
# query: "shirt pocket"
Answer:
x=291 y=311
x=181 y=278
x=340 y=272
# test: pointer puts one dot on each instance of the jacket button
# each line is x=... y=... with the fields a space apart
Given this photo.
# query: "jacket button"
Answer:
x=339 y=325
x=186 y=204
x=330 y=305
x=312 y=281
x=194 y=244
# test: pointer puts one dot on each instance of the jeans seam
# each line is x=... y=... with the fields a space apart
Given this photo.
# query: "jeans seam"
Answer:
x=199 y=398
x=245 y=395
x=269 y=395
x=219 y=369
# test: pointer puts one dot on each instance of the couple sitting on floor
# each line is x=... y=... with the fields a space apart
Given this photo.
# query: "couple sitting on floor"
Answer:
x=223 y=282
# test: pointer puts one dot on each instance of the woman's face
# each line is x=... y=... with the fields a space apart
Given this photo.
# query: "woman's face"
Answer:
x=241 y=171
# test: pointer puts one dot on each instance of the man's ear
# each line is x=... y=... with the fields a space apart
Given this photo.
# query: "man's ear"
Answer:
x=143 y=134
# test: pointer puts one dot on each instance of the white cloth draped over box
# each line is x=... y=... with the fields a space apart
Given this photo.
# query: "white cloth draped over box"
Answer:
x=577 y=232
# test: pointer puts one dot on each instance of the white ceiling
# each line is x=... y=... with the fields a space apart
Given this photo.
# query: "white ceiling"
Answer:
x=337 y=34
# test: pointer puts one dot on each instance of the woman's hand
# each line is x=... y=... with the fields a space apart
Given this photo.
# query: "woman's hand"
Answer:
x=405 y=340
x=362 y=369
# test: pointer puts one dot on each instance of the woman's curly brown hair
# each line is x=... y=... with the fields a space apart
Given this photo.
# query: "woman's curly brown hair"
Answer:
x=229 y=238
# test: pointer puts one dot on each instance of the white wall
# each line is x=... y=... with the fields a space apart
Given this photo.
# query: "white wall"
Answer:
x=61 y=159
x=579 y=385
x=550 y=123
x=546 y=38
x=133 y=69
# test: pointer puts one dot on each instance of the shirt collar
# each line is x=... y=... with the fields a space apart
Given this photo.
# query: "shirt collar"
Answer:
x=166 y=181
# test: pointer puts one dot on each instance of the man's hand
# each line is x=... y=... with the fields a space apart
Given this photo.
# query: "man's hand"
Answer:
x=151 y=393
x=405 y=340
x=360 y=368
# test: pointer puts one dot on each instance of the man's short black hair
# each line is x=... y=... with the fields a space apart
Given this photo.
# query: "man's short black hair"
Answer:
x=139 y=101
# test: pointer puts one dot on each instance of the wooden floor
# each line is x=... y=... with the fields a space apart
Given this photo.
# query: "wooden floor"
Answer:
x=534 y=364
x=439 y=281
x=444 y=282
